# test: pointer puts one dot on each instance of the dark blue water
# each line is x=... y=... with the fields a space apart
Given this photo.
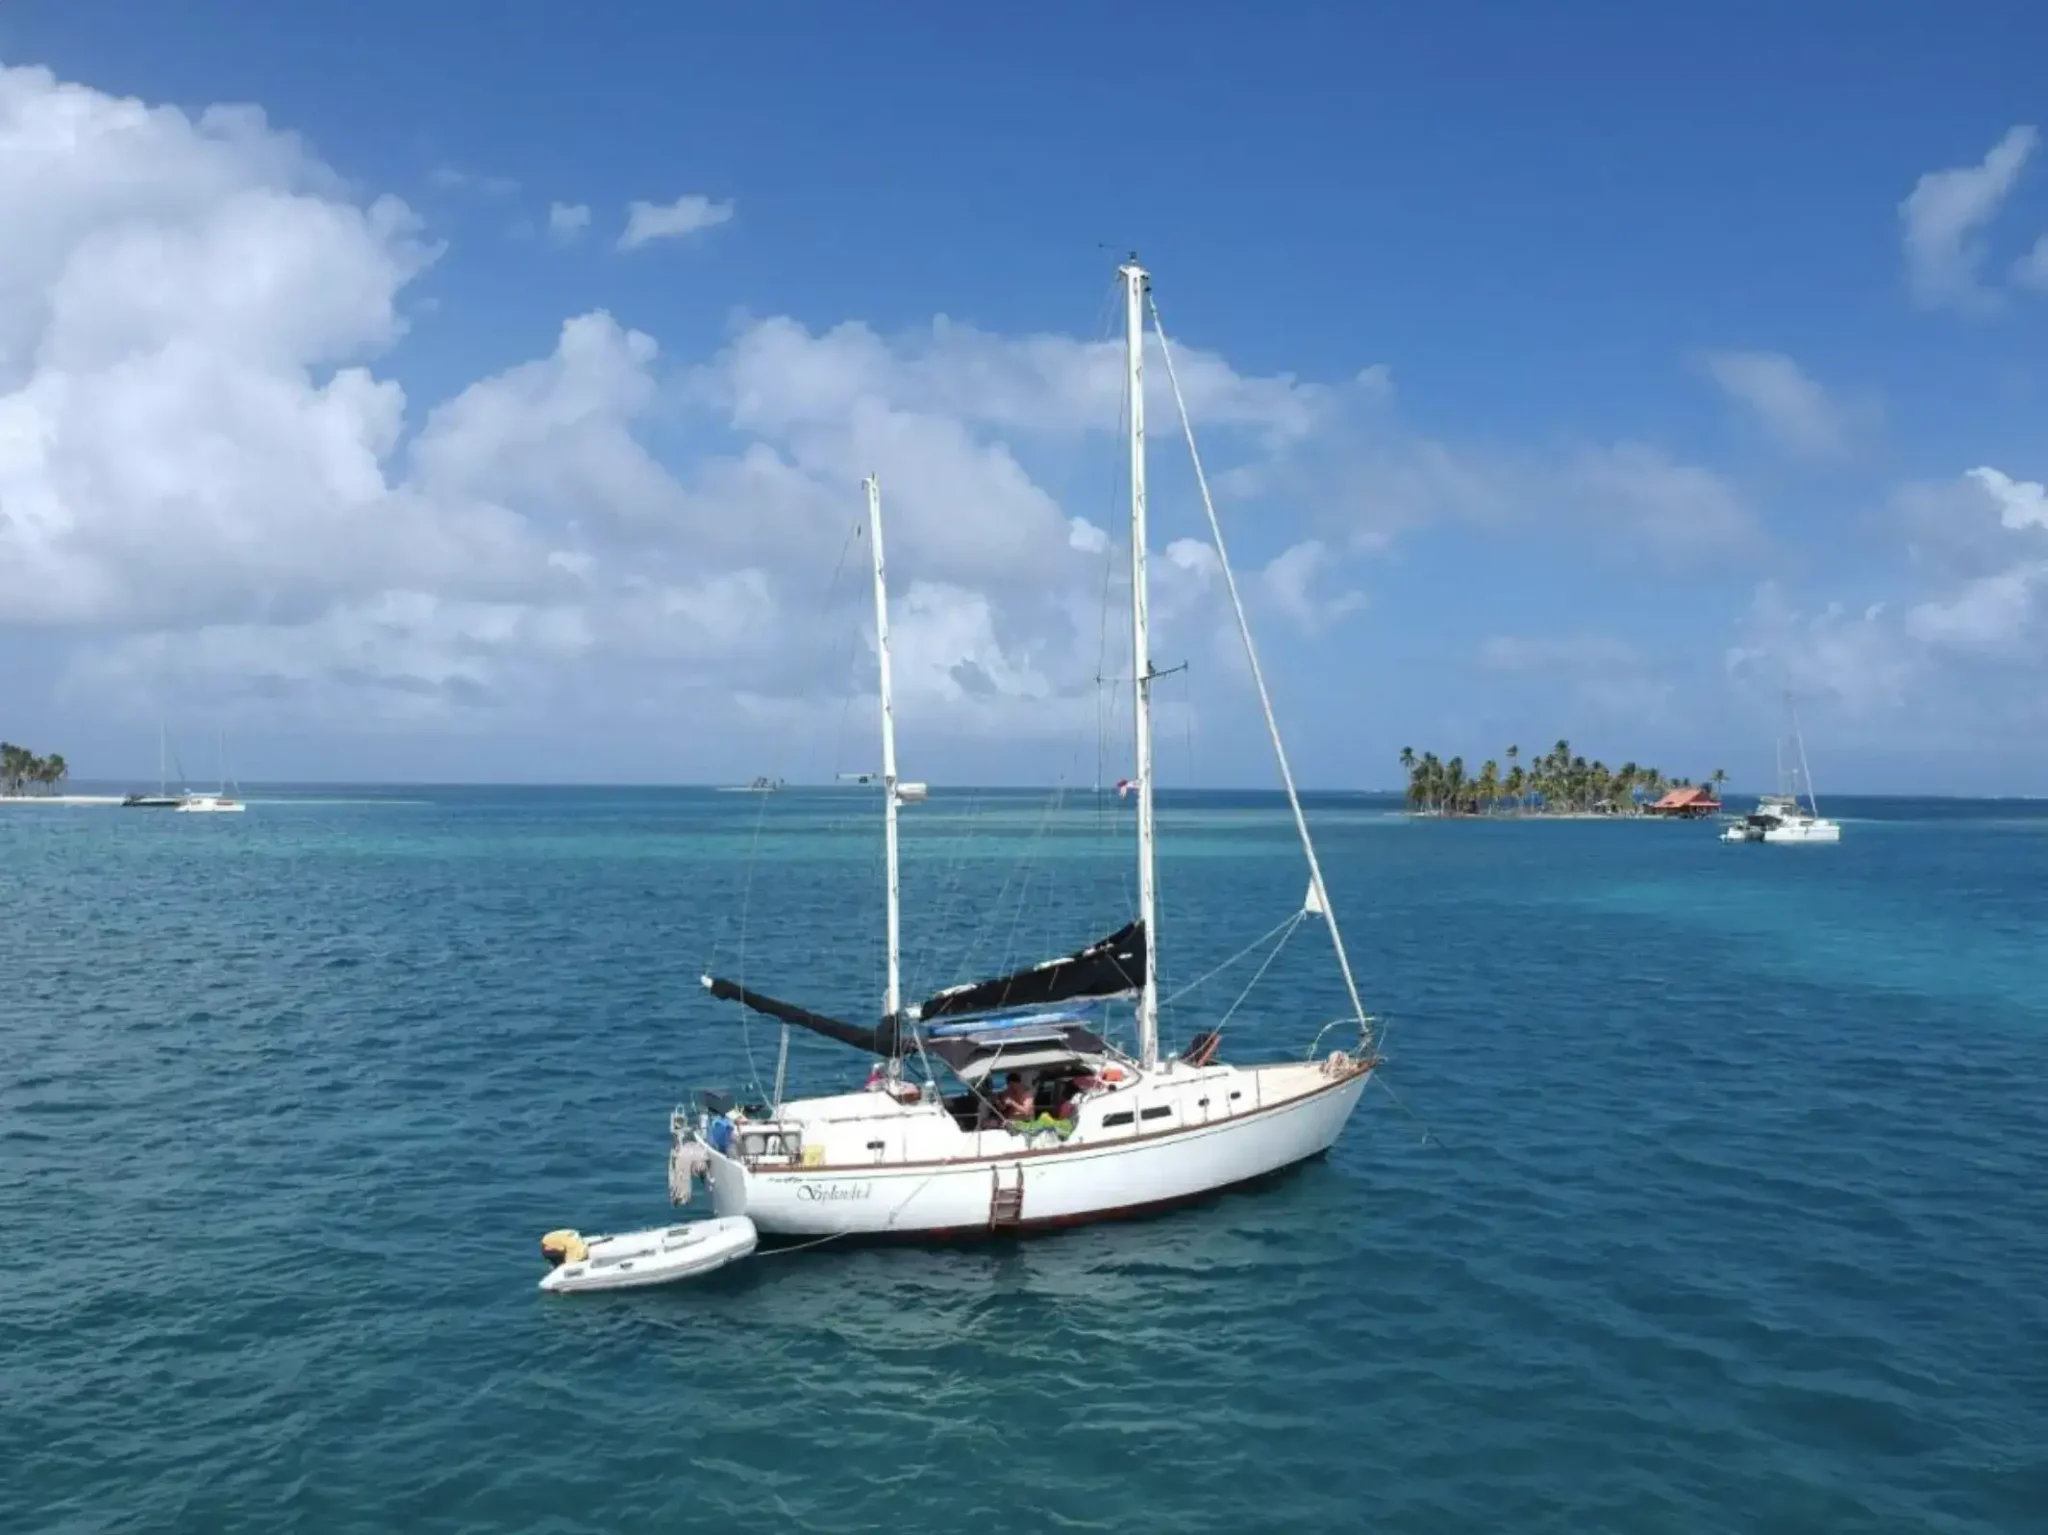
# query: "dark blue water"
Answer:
x=1732 y=1213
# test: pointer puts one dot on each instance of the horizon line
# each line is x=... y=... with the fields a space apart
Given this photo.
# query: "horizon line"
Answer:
x=973 y=788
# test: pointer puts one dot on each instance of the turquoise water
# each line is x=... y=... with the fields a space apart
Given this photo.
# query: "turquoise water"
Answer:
x=1730 y=1213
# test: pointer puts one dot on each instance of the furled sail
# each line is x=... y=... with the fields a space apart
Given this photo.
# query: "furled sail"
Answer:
x=1109 y=967
x=886 y=1039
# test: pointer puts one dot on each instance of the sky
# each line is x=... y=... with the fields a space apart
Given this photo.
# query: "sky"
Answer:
x=481 y=392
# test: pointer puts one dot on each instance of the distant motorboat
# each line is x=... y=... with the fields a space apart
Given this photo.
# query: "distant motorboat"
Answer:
x=757 y=786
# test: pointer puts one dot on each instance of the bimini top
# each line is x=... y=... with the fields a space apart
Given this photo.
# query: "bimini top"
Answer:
x=974 y=1056
x=1087 y=1014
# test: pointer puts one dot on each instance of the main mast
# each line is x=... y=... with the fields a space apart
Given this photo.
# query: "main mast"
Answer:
x=1141 y=660
x=892 y=999
x=1799 y=741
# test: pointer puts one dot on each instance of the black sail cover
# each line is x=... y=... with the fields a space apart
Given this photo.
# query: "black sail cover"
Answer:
x=887 y=1038
x=1109 y=967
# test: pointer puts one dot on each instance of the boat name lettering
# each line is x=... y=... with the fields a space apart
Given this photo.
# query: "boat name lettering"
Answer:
x=835 y=1191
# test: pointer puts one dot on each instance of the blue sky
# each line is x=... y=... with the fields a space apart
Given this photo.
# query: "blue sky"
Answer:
x=1585 y=373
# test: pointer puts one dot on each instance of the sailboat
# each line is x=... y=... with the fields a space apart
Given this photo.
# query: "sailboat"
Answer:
x=1780 y=818
x=186 y=800
x=219 y=803
x=1082 y=1130
x=163 y=799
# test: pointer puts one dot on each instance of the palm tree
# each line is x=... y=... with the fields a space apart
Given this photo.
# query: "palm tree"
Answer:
x=1489 y=785
x=1720 y=778
x=1558 y=781
x=55 y=770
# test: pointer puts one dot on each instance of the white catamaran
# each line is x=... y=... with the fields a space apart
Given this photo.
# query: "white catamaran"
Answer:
x=1780 y=818
x=1081 y=1130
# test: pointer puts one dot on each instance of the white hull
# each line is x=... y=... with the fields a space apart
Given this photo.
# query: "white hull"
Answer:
x=1112 y=1166
x=1782 y=832
x=636 y=1259
x=1803 y=831
x=209 y=804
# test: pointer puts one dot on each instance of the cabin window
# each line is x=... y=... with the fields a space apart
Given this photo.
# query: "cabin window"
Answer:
x=772 y=1143
x=1235 y=1096
x=876 y=1146
x=1161 y=1112
x=1111 y=1121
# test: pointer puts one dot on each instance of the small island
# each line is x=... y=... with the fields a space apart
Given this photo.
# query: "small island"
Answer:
x=1559 y=783
x=21 y=770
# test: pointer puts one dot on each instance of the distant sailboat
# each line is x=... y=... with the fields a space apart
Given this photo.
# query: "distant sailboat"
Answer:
x=1780 y=818
x=220 y=803
x=186 y=800
x=163 y=799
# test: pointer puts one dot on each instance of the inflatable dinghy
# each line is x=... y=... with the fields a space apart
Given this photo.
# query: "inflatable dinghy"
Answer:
x=635 y=1258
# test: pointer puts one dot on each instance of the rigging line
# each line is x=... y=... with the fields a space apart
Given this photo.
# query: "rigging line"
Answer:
x=753 y=858
x=1251 y=655
x=1187 y=716
x=1260 y=974
x=1429 y=1135
x=1029 y=860
x=951 y=877
x=1019 y=873
x=964 y=844
x=1210 y=975
x=854 y=533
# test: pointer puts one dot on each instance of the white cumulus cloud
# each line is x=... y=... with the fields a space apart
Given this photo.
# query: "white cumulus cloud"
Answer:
x=689 y=214
x=567 y=221
x=1946 y=211
x=1793 y=410
x=1992 y=613
x=1290 y=579
x=2021 y=503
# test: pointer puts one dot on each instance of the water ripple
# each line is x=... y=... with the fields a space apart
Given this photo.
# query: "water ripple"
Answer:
x=1731 y=1216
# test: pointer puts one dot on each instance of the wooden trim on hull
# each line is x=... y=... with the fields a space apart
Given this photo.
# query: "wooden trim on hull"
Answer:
x=1043 y=1226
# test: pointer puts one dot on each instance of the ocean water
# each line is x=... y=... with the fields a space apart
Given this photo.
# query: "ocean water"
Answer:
x=1709 y=1190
